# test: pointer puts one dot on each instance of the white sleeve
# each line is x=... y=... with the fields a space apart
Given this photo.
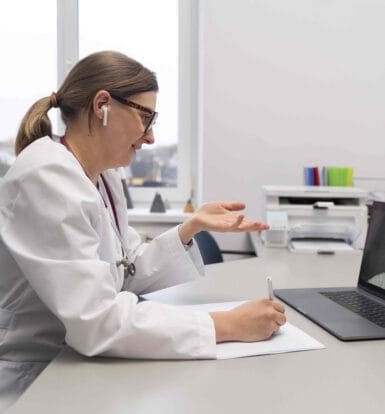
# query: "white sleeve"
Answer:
x=50 y=231
x=164 y=262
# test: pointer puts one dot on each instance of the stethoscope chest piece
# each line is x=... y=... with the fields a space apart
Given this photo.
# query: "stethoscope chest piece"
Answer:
x=129 y=268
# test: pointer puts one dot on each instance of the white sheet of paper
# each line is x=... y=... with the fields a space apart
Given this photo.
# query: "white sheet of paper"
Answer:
x=289 y=338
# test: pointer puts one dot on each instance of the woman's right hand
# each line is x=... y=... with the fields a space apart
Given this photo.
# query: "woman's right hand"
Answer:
x=222 y=216
x=249 y=322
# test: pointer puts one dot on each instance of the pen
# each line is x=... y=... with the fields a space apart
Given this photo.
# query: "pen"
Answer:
x=270 y=288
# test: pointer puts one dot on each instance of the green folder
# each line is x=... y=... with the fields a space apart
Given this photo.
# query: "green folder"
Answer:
x=340 y=176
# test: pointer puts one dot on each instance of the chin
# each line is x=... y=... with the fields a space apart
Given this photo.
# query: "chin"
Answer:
x=123 y=162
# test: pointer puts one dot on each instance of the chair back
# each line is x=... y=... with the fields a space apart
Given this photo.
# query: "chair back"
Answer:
x=208 y=247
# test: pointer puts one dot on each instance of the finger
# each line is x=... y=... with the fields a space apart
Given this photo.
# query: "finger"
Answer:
x=276 y=328
x=281 y=319
x=253 y=226
x=278 y=307
x=233 y=205
x=237 y=222
x=259 y=225
x=256 y=225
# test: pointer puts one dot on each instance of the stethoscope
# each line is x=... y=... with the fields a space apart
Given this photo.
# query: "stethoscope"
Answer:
x=129 y=268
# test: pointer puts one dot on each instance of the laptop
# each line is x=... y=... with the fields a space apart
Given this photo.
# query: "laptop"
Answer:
x=351 y=313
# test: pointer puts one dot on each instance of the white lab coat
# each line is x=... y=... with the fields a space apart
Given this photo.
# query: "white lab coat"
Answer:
x=60 y=283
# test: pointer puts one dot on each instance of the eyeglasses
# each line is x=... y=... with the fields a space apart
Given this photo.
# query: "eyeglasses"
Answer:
x=154 y=115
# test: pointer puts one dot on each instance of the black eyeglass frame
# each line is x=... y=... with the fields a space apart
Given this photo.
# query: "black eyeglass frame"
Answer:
x=154 y=114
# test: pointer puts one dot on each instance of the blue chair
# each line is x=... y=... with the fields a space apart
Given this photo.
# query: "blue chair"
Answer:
x=210 y=251
x=208 y=247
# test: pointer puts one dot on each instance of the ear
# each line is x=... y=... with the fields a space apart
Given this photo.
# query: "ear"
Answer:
x=101 y=99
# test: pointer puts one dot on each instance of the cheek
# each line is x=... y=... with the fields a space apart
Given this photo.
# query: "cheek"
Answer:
x=131 y=134
x=123 y=137
x=126 y=134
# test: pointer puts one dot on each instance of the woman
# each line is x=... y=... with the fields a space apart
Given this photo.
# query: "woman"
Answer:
x=71 y=267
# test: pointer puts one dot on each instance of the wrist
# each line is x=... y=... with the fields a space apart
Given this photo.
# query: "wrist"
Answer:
x=187 y=231
x=223 y=326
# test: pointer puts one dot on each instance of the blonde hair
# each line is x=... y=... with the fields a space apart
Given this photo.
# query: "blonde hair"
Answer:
x=108 y=70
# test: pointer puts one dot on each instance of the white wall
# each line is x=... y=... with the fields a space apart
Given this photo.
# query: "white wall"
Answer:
x=288 y=84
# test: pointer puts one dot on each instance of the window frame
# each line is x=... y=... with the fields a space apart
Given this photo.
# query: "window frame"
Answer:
x=68 y=55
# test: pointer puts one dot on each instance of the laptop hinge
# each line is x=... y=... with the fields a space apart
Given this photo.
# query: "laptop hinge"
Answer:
x=372 y=292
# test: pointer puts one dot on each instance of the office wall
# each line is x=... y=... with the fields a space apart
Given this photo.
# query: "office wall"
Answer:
x=288 y=84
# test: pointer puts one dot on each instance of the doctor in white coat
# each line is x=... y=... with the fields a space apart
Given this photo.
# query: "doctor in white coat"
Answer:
x=71 y=267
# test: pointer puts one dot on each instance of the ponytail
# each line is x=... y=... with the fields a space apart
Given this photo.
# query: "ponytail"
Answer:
x=34 y=125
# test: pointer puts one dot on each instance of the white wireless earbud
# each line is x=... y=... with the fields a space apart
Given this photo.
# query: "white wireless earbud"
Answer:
x=105 y=114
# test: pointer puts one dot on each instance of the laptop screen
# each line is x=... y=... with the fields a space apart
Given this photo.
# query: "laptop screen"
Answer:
x=372 y=273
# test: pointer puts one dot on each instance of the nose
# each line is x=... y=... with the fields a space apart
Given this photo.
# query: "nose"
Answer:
x=149 y=137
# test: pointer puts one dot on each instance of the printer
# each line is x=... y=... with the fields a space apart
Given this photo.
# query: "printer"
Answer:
x=315 y=218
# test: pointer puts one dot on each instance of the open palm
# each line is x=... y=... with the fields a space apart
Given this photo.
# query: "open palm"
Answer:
x=223 y=217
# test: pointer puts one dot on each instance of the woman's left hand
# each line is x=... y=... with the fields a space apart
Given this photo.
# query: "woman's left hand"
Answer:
x=219 y=216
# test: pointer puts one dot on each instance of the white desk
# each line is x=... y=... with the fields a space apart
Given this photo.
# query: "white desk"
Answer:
x=343 y=378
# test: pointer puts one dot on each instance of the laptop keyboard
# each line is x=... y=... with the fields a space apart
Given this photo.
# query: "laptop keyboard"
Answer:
x=360 y=304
